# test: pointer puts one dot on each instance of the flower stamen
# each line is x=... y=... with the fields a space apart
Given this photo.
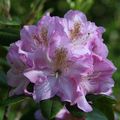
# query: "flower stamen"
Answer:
x=60 y=60
x=58 y=73
x=75 y=31
x=43 y=35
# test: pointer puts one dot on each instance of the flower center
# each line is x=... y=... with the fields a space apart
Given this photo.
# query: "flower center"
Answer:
x=42 y=37
x=36 y=39
x=75 y=31
x=60 y=61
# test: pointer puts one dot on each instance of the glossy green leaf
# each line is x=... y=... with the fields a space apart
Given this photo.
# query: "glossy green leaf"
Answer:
x=75 y=111
x=103 y=104
x=95 y=115
x=109 y=99
x=50 y=107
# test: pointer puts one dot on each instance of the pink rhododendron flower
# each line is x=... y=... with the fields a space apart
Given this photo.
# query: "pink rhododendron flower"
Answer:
x=15 y=76
x=85 y=36
x=61 y=56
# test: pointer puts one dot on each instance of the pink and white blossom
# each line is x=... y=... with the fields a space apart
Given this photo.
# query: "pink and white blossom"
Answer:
x=61 y=56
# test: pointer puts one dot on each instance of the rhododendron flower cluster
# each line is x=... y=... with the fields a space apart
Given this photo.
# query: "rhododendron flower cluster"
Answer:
x=61 y=56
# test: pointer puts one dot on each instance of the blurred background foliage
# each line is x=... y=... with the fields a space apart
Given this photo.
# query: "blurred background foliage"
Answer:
x=15 y=13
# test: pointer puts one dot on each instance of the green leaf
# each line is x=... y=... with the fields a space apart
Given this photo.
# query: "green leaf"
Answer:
x=95 y=115
x=29 y=115
x=83 y=5
x=6 y=22
x=1 y=113
x=109 y=99
x=8 y=36
x=75 y=111
x=3 y=52
x=12 y=30
x=4 y=67
x=5 y=8
x=30 y=108
x=12 y=100
x=50 y=107
x=103 y=104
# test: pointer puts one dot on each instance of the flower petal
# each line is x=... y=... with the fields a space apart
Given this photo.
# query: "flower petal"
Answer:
x=45 y=90
x=83 y=104
x=68 y=89
x=35 y=76
x=18 y=81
